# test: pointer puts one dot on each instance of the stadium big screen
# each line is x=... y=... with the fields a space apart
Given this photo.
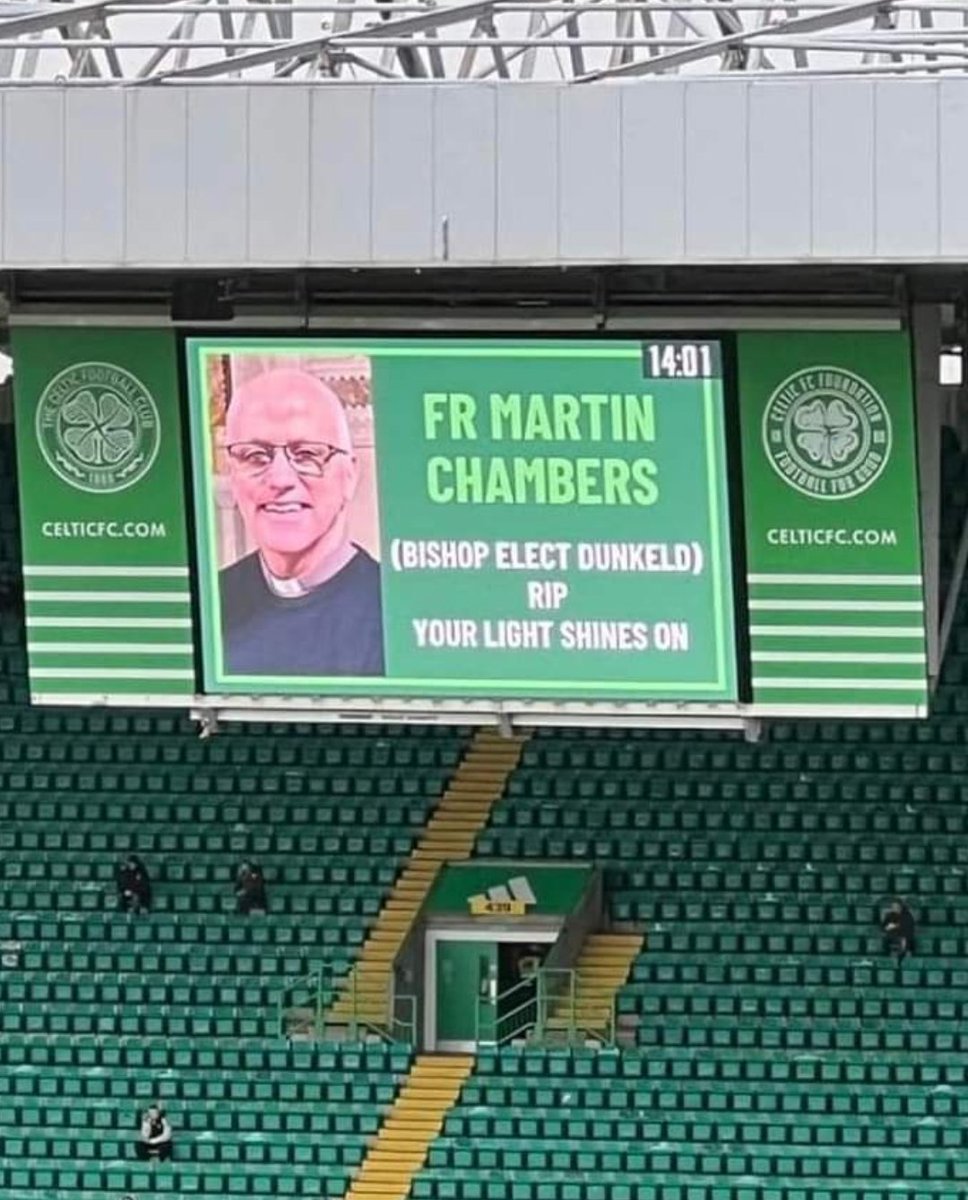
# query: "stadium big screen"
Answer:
x=724 y=524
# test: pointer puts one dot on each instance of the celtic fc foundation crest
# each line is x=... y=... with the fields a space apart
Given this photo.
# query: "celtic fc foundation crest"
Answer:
x=98 y=427
x=827 y=433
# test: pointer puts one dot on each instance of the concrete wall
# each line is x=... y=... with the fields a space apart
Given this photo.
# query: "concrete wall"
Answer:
x=657 y=171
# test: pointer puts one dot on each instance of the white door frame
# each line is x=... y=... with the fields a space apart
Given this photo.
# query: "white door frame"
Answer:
x=431 y=938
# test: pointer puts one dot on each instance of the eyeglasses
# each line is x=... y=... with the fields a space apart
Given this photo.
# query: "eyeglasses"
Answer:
x=305 y=458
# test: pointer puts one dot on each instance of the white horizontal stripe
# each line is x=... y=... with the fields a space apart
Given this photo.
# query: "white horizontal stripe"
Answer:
x=833 y=656
x=809 y=708
x=115 y=700
x=108 y=572
x=110 y=648
x=854 y=685
x=107 y=673
x=119 y=597
x=109 y=622
x=837 y=580
x=867 y=631
x=837 y=605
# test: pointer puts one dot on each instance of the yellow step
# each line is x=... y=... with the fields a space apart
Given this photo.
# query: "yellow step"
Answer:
x=414 y=1121
x=462 y=811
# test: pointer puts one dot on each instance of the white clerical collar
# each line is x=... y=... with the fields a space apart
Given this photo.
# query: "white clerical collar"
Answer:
x=293 y=589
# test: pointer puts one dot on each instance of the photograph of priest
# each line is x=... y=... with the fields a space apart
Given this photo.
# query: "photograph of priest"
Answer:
x=306 y=601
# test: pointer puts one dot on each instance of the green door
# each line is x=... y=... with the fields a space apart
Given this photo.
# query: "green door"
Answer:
x=466 y=992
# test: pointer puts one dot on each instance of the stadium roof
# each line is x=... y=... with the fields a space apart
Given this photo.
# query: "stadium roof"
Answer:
x=583 y=41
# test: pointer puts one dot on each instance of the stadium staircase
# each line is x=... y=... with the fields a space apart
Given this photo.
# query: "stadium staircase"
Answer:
x=367 y=995
x=602 y=968
x=415 y=1120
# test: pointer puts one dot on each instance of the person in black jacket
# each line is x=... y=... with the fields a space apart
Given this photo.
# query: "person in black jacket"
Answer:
x=155 y=1137
x=134 y=885
x=898 y=928
x=250 y=888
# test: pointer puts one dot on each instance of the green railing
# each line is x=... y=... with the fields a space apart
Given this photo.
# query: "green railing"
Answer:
x=312 y=995
x=308 y=992
x=543 y=1010
x=396 y=1023
x=511 y=1014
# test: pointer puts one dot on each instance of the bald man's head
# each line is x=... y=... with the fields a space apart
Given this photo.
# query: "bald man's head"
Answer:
x=291 y=399
x=293 y=470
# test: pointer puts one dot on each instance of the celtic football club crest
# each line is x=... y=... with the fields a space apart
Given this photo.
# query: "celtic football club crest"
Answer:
x=98 y=427
x=827 y=433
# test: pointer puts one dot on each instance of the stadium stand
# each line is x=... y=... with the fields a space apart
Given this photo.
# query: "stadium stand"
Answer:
x=768 y=1049
x=771 y=1051
x=101 y=1013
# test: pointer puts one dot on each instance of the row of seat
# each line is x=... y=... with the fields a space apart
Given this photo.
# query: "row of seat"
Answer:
x=42 y=987
x=278 y=853
x=815 y=1006
x=734 y=913
x=166 y=1022
x=886 y=974
x=231 y=1088
x=203 y=1120
x=38 y=1179
x=802 y=731
x=702 y=1100
x=218 y=781
x=805 y=1129
x=330 y=753
x=769 y=757
x=729 y=1069
x=693 y=787
x=873 y=1038
x=70 y=1147
x=713 y=868
x=441 y=1185
x=640 y=1161
x=819 y=943
x=88 y=819
x=287 y=899
x=326 y=1060
x=930 y=818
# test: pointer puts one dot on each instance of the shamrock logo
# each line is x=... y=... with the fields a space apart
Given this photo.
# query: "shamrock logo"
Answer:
x=98 y=428
x=827 y=432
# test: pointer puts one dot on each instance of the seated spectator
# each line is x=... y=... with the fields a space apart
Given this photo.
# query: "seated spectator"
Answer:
x=134 y=885
x=250 y=889
x=897 y=925
x=155 y=1139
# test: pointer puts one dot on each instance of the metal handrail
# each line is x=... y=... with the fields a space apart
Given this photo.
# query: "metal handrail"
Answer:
x=543 y=991
x=395 y=1027
x=314 y=981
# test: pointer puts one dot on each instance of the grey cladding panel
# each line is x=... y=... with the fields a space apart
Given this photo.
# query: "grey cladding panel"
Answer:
x=716 y=202
x=653 y=171
x=217 y=176
x=465 y=171
x=94 y=163
x=779 y=170
x=590 y=175
x=906 y=168
x=663 y=170
x=527 y=173
x=278 y=186
x=156 y=173
x=402 y=201
x=340 y=153
x=953 y=166
x=843 y=169
x=33 y=176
